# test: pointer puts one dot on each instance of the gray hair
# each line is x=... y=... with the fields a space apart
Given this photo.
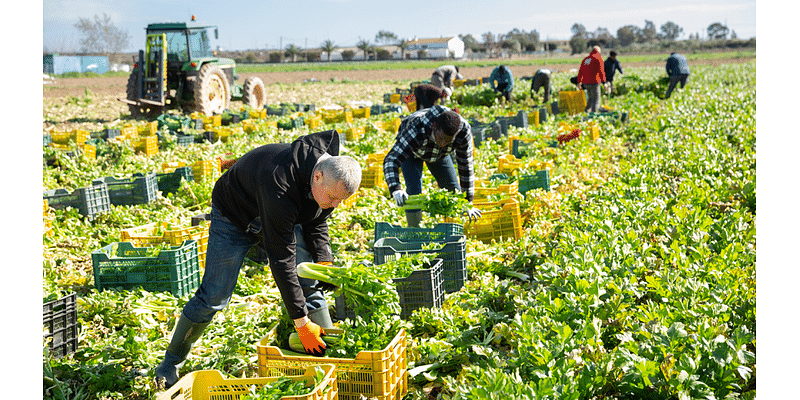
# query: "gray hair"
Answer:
x=343 y=169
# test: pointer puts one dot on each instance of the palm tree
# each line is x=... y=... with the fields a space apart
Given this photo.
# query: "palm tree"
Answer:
x=293 y=51
x=328 y=46
x=403 y=45
x=364 y=46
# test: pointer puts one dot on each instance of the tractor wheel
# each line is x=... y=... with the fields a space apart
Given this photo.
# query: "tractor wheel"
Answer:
x=254 y=94
x=212 y=92
x=132 y=92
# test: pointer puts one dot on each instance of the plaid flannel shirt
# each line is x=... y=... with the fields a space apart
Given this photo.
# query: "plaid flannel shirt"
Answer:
x=415 y=139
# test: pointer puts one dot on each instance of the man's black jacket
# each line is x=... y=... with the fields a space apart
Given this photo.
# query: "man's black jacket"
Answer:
x=270 y=188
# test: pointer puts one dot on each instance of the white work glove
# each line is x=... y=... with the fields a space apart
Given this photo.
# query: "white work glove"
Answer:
x=400 y=197
x=472 y=213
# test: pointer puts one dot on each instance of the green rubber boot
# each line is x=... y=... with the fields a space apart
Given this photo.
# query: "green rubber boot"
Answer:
x=321 y=317
x=186 y=333
x=413 y=218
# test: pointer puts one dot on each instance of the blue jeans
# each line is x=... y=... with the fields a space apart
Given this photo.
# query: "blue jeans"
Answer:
x=225 y=252
x=442 y=170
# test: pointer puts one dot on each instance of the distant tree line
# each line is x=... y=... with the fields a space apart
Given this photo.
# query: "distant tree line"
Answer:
x=101 y=36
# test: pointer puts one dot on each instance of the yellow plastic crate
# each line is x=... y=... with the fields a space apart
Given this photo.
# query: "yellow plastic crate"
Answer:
x=483 y=192
x=212 y=385
x=350 y=201
x=395 y=98
x=499 y=220
x=249 y=126
x=458 y=82
x=354 y=133
x=258 y=114
x=361 y=112
x=221 y=133
x=147 y=145
x=381 y=374
x=533 y=118
x=313 y=122
x=148 y=129
x=47 y=219
x=157 y=233
x=212 y=121
x=372 y=174
x=412 y=106
x=87 y=150
x=79 y=136
x=508 y=164
x=206 y=169
x=334 y=116
x=571 y=101
x=392 y=125
x=128 y=132
x=593 y=129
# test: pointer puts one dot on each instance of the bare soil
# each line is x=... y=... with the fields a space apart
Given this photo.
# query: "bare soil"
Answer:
x=63 y=108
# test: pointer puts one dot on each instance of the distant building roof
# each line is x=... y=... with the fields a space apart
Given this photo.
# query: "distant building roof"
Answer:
x=430 y=40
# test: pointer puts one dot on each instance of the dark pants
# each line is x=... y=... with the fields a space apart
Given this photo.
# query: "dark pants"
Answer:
x=673 y=81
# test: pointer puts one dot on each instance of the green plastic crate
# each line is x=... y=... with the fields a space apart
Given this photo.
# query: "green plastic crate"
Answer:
x=139 y=189
x=120 y=265
x=452 y=250
x=436 y=234
x=89 y=201
x=170 y=182
x=540 y=180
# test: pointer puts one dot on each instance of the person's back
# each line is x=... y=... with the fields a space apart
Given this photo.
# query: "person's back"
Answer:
x=677 y=64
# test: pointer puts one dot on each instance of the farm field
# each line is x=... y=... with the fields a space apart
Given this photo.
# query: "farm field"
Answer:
x=632 y=277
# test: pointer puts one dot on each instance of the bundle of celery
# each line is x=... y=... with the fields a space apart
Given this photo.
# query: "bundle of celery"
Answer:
x=442 y=202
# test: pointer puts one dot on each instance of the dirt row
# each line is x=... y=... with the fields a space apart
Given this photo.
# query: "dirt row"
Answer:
x=115 y=86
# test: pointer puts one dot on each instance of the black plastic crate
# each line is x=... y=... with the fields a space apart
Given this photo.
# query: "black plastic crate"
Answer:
x=139 y=189
x=60 y=318
x=452 y=250
x=279 y=111
x=199 y=218
x=542 y=115
x=170 y=182
x=89 y=201
x=554 y=107
x=436 y=234
x=422 y=288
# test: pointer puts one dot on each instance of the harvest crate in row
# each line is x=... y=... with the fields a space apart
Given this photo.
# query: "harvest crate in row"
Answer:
x=452 y=251
x=89 y=201
x=420 y=289
x=139 y=189
x=374 y=374
x=60 y=320
x=212 y=385
x=170 y=182
x=499 y=220
x=121 y=265
x=156 y=233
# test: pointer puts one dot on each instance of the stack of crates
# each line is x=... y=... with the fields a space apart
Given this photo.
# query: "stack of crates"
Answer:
x=372 y=175
x=89 y=201
x=139 y=189
x=156 y=233
x=334 y=116
x=313 y=122
x=499 y=220
x=147 y=129
x=60 y=320
x=571 y=101
x=392 y=125
x=445 y=241
x=381 y=374
x=121 y=265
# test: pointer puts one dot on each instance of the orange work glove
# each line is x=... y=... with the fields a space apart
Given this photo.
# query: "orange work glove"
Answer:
x=311 y=336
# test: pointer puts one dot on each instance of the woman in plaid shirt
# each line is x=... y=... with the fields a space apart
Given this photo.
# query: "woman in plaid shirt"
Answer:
x=429 y=136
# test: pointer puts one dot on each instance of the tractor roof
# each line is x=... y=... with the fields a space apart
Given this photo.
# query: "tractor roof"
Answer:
x=177 y=25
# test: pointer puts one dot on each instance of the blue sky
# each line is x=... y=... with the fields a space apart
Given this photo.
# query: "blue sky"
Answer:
x=270 y=24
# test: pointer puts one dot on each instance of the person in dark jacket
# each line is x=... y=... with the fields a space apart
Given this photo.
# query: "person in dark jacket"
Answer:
x=611 y=65
x=427 y=95
x=277 y=196
x=502 y=81
x=678 y=71
x=428 y=137
x=541 y=79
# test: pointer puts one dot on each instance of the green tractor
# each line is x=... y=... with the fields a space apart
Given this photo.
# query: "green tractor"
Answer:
x=179 y=69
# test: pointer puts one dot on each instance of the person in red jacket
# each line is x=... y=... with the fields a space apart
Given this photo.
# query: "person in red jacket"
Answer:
x=592 y=76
